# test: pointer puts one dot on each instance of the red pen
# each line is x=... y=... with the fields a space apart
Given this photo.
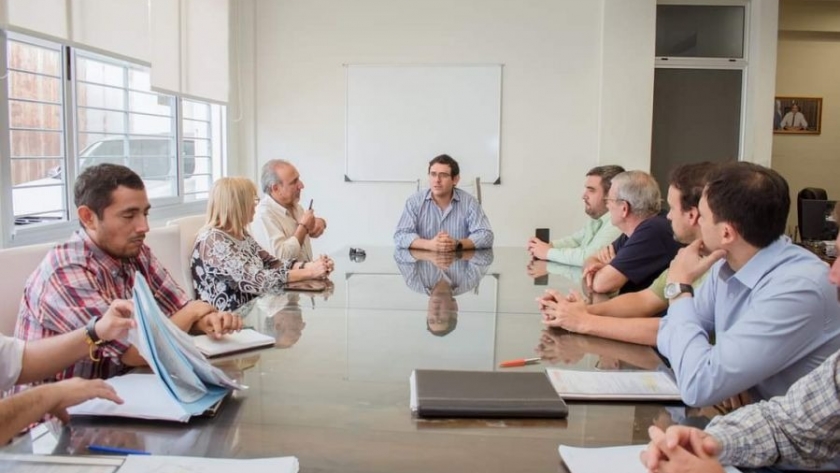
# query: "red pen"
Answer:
x=519 y=362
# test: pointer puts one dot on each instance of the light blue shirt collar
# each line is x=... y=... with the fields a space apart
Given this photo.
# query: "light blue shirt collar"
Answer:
x=757 y=266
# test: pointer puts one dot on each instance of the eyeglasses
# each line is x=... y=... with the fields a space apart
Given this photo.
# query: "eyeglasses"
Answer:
x=607 y=200
x=256 y=200
x=442 y=175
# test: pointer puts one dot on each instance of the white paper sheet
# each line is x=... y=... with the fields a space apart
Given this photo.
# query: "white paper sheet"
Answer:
x=613 y=385
x=613 y=459
x=145 y=397
x=167 y=464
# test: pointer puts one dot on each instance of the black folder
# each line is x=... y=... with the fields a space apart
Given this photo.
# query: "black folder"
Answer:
x=484 y=394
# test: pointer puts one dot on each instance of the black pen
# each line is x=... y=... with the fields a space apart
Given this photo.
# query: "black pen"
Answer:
x=310 y=203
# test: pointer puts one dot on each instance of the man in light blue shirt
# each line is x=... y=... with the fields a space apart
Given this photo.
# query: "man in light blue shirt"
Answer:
x=443 y=218
x=769 y=302
x=598 y=231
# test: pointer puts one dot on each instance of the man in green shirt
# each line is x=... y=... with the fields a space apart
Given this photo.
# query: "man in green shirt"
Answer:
x=597 y=233
x=632 y=317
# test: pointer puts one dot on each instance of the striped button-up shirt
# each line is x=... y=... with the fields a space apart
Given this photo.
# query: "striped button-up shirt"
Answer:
x=77 y=281
x=463 y=218
x=800 y=429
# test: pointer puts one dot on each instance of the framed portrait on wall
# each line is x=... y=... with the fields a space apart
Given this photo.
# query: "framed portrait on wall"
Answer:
x=797 y=115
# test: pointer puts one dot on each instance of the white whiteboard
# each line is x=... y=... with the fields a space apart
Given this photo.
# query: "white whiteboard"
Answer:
x=400 y=117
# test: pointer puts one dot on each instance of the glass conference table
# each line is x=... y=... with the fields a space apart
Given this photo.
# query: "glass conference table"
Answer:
x=334 y=392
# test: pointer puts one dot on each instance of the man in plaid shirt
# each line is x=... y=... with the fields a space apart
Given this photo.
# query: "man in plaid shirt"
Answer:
x=798 y=430
x=80 y=278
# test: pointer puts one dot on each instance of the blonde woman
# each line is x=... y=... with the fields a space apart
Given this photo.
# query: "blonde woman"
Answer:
x=228 y=267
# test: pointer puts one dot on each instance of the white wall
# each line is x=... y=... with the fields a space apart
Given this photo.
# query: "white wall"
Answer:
x=577 y=92
x=761 y=82
x=551 y=99
x=629 y=39
x=808 y=59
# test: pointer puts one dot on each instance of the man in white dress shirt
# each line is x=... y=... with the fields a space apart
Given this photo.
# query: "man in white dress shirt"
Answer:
x=281 y=225
x=794 y=119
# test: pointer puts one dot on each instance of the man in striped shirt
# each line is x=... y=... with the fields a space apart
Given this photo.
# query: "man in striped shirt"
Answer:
x=77 y=280
x=443 y=218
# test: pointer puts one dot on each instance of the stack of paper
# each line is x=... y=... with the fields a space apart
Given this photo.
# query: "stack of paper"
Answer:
x=613 y=385
x=612 y=459
x=184 y=383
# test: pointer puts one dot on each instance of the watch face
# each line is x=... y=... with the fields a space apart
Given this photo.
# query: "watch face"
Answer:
x=672 y=290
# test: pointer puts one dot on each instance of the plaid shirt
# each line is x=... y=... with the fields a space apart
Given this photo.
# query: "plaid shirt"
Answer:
x=800 y=429
x=77 y=281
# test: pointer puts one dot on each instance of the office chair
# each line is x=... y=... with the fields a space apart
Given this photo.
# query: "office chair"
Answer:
x=808 y=193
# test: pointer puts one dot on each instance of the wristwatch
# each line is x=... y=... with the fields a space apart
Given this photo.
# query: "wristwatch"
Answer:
x=674 y=289
x=459 y=246
x=90 y=332
x=93 y=339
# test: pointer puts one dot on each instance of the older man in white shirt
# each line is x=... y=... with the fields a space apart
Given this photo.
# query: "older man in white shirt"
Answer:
x=281 y=225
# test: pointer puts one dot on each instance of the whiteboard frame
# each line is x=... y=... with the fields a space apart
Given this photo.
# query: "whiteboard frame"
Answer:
x=346 y=66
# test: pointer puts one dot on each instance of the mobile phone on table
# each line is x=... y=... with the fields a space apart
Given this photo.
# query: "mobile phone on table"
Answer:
x=542 y=235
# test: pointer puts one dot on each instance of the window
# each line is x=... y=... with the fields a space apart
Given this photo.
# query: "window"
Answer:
x=120 y=120
x=712 y=31
x=203 y=146
x=36 y=131
x=699 y=83
x=100 y=110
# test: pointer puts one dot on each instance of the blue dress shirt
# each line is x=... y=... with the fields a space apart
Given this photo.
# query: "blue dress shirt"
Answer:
x=463 y=218
x=775 y=320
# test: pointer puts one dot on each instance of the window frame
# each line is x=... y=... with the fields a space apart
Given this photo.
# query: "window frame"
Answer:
x=163 y=208
x=742 y=64
x=709 y=62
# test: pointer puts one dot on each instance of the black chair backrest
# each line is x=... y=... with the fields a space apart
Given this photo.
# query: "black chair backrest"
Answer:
x=808 y=193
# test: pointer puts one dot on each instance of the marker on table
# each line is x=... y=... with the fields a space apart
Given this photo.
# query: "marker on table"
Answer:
x=519 y=362
x=115 y=450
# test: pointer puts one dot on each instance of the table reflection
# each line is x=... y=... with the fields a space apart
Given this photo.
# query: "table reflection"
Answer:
x=442 y=276
x=560 y=347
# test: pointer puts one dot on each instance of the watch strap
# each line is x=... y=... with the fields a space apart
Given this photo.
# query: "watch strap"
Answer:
x=683 y=289
x=90 y=332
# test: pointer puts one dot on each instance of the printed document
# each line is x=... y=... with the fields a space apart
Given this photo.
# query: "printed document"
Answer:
x=613 y=385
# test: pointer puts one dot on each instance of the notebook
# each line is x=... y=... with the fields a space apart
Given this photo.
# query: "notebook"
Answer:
x=613 y=385
x=247 y=339
x=484 y=394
